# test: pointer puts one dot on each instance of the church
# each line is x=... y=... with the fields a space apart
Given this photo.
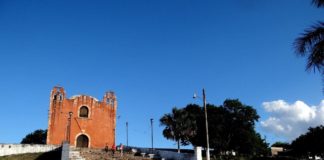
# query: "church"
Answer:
x=81 y=120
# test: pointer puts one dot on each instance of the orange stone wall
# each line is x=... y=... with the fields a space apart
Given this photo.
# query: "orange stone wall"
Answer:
x=99 y=127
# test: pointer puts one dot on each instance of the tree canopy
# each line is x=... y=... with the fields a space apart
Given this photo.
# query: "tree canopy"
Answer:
x=311 y=44
x=179 y=126
x=36 y=137
x=318 y=3
x=231 y=128
x=281 y=144
x=310 y=143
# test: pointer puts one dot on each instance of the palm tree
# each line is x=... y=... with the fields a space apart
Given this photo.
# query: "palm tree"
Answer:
x=179 y=126
x=311 y=44
x=318 y=3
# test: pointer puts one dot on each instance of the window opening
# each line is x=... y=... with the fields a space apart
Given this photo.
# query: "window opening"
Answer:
x=84 y=112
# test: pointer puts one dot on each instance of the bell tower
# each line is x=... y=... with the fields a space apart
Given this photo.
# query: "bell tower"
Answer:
x=110 y=99
x=57 y=97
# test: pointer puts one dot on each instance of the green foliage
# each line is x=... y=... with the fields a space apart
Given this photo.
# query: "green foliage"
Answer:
x=237 y=131
x=318 y=3
x=281 y=144
x=37 y=137
x=197 y=114
x=310 y=143
x=179 y=126
x=231 y=128
x=311 y=44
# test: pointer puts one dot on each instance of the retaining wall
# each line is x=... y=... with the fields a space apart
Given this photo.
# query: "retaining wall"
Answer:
x=168 y=154
x=9 y=149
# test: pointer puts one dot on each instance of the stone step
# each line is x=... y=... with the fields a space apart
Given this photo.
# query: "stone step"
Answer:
x=75 y=155
x=74 y=152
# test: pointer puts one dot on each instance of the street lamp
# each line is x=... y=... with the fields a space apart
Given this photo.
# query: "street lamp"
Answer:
x=127 y=134
x=152 y=133
x=206 y=122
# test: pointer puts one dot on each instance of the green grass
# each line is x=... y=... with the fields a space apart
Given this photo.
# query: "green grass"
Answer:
x=27 y=156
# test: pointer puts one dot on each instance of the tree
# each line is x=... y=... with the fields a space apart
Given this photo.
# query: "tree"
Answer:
x=179 y=126
x=238 y=132
x=217 y=128
x=197 y=114
x=310 y=143
x=311 y=44
x=36 y=137
x=281 y=144
x=231 y=127
x=261 y=147
x=318 y=3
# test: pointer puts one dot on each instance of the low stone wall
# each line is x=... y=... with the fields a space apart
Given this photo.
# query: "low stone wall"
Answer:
x=175 y=155
x=167 y=154
x=9 y=149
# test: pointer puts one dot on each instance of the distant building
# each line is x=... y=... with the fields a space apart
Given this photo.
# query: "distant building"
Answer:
x=275 y=150
x=81 y=120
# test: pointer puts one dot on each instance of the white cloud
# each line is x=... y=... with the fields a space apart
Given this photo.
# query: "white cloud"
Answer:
x=291 y=120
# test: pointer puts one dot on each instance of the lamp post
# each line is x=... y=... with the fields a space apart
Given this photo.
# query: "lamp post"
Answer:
x=152 y=133
x=127 y=134
x=206 y=122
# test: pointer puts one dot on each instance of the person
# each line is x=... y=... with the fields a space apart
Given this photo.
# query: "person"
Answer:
x=121 y=149
x=113 y=149
x=106 y=148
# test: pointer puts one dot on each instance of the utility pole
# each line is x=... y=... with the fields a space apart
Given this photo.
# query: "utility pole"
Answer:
x=152 y=133
x=127 y=134
x=206 y=121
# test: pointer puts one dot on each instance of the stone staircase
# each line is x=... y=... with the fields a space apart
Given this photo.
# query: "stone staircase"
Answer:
x=74 y=154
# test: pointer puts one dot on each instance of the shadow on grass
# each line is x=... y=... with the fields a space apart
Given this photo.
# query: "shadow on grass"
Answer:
x=274 y=158
x=51 y=155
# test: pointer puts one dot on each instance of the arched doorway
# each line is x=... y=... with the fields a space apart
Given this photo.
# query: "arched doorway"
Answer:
x=82 y=141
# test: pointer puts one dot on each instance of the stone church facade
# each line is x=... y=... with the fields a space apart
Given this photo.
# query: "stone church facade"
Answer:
x=81 y=120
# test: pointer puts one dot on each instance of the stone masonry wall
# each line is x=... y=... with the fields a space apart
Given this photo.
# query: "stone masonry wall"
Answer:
x=167 y=154
x=9 y=149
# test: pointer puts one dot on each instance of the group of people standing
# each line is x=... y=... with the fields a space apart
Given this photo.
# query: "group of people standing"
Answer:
x=114 y=148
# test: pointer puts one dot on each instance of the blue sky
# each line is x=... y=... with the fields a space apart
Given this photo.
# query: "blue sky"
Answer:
x=154 y=55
